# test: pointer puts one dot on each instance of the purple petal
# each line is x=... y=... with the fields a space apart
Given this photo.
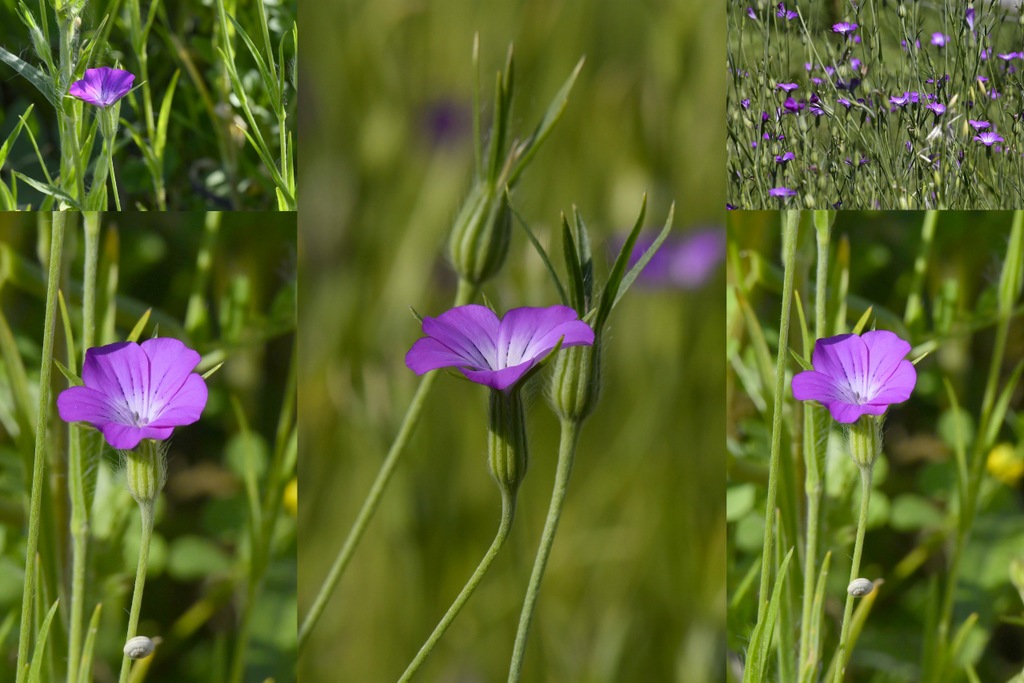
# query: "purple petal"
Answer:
x=814 y=386
x=844 y=358
x=170 y=363
x=529 y=334
x=121 y=373
x=103 y=86
x=500 y=379
x=469 y=331
x=885 y=351
x=185 y=406
x=82 y=404
x=846 y=412
x=898 y=386
x=125 y=437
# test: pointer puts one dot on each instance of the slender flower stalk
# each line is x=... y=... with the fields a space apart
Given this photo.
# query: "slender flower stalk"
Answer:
x=791 y=227
x=35 y=499
x=863 y=441
x=466 y=293
x=568 y=441
x=146 y=512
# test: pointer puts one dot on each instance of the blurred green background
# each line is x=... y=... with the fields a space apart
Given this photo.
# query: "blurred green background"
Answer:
x=196 y=581
x=913 y=508
x=635 y=586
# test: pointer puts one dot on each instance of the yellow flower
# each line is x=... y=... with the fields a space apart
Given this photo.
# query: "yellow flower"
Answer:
x=1005 y=464
x=291 y=497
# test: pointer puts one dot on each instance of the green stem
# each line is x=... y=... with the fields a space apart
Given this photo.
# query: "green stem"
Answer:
x=570 y=436
x=466 y=293
x=508 y=509
x=113 y=180
x=76 y=458
x=792 y=224
x=146 y=511
x=865 y=498
x=36 y=496
x=815 y=443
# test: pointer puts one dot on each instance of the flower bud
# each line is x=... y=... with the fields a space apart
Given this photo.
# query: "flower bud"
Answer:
x=576 y=381
x=865 y=440
x=146 y=470
x=507 y=452
x=480 y=237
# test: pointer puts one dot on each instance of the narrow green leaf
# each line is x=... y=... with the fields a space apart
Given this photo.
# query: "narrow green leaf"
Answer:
x=1000 y=408
x=540 y=251
x=961 y=636
x=85 y=670
x=758 y=667
x=51 y=191
x=572 y=266
x=269 y=80
x=863 y=321
x=7 y=626
x=959 y=447
x=25 y=407
x=69 y=335
x=551 y=116
x=34 y=76
x=215 y=368
x=800 y=360
x=36 y=667
x=586 y=257
x=611 y=287
x=164 y=117
x=139 y=326
x=13 y=137
x=810 y=667
x=627 y=281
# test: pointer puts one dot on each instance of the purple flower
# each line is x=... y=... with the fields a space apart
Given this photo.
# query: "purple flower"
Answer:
x=939 y=39
x=102 y=86
x=788 y=87
x=492 y=352
x=970 y=18
x=750 y=13
x=136 y=391
x=982 y=79
x=784 y=158
x=857 y=375
x=900 y=101
x=988 y=139
x=939 y=109
x=730 y=207
x=684 y=261
x=978 y=125
x=781 y=13
x=844 y=28
x=1009 y=56
x=792 y=105
x=845 y=102
x=781 y=192
x=855 y=64
x=745 y=102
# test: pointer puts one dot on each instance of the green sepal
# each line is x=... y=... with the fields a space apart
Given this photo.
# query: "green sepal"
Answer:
x=136 y=332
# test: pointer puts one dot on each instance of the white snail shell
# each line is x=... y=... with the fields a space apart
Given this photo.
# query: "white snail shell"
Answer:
x=139 y=647
x=858 y=588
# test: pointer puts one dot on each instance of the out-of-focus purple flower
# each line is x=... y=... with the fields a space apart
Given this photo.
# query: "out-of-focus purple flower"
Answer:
x=970 y=18
x=781 y=192
x=136 y=391
x=844 y=28
x=939 y=39
x=492 y=352
x=917 y=44
x=781 y=13
x=730 y=207
x=857 y=375
x=862 y=161
x=978 y=125
x=845 y=102
x=750 y=13
x=684 y=261
x=910 y=147
x=830 y=70
x=783 y=158
x=988 y=139
x=982 y=79
x=103 y=86
x=937 y=108
x=816 y=80
x=900 y=100
x=855 y=64
x=995 y=94
x=788 y=87
x=986 y=53
x=1009 y=56
x=745 y=102
x=792 y=105
x=446 y=121
x=808 y=66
